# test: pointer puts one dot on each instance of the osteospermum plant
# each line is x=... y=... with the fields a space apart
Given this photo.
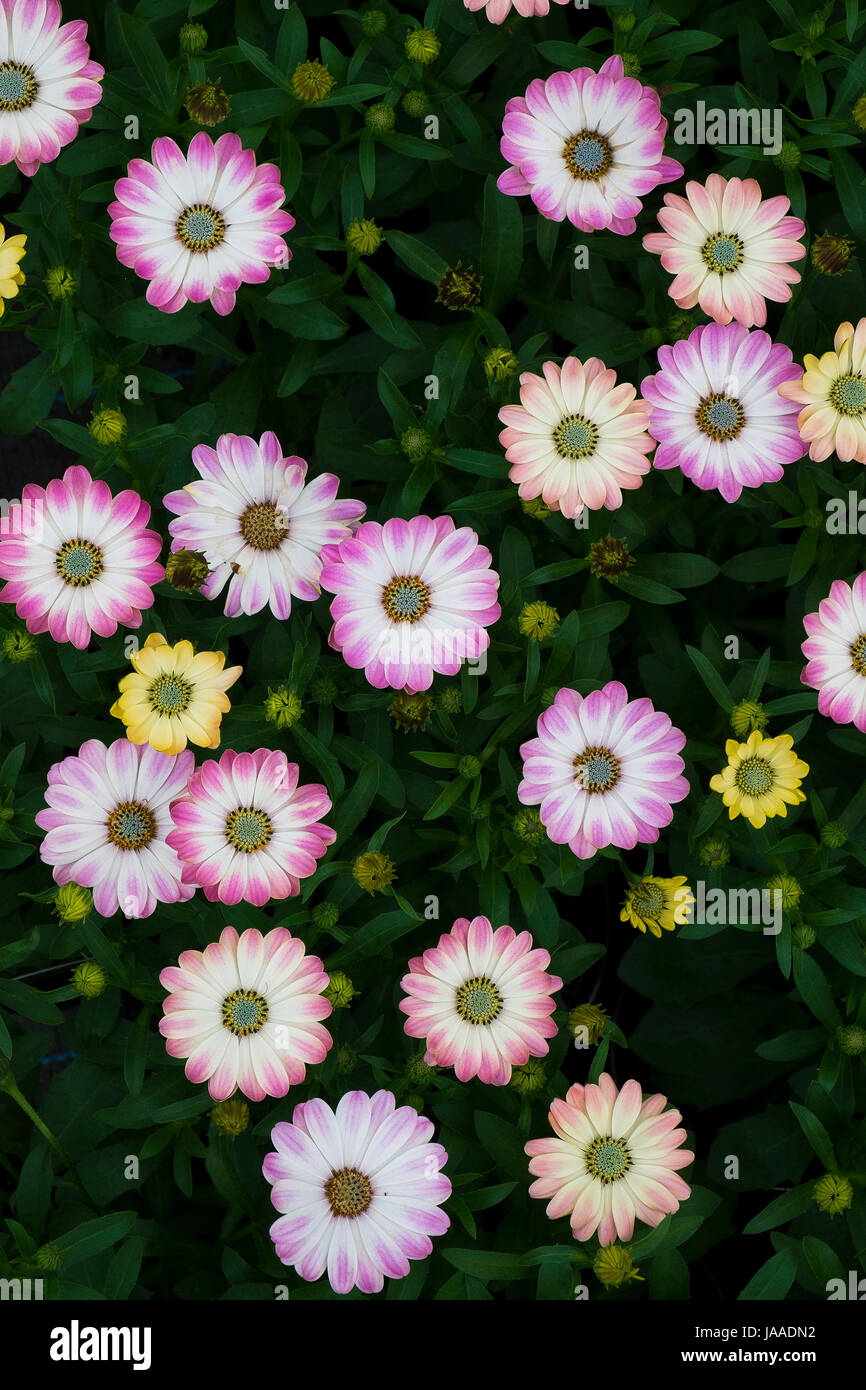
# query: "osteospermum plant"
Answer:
x=398 y=835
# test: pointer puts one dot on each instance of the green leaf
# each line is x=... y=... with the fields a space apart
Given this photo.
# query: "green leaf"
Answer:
x=501 y=246
x=773 y=1279
x=782 y=1209
x=816 y=1135
x=711 y=679
x=93 y=1236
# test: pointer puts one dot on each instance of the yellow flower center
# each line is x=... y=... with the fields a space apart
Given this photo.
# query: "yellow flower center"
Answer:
x=647 y=899
x=131 y=825
x=18 y=86
x=722 y=252
x=478 y=1000
x=607 y=1159
x=264 y=526
x=587 y=155
x=720 y=417
x=858 y=654
x=169 y=694
x=349 y=1192
x=200 y=227
x=755 y=777
x=78 y=563
x=848 y=394
x=244 y=1012
x=406 y=598
x=248 y=830
x=596 y=770
x=575 y=437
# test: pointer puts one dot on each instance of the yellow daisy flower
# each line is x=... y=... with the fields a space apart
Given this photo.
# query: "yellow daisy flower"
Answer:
x=762 y=777
x=11 y=278
x=657 y=904
x=832 y=392
x=174 y=695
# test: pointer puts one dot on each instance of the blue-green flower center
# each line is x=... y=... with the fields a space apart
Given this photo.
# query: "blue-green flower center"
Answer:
x=607 y=1159
x=587 y=155
x=169 y=694
x=596 y=770
x=201 y=227
x=248 y=830
x=575 y=437
x=18 y=86
x=406 y=598
x=131 y=825
x=721 y=417
x=848 y=394
x=478 y=1000
x=244 y=1011
x=78 y=562
x=722 y=253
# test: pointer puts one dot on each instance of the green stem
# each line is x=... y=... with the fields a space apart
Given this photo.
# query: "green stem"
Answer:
x=40 y=1124
x=48 y=1135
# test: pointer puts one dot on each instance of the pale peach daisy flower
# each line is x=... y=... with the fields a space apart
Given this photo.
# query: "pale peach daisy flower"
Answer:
x=577 y=439
x=832 y=392
x=729 y=249
x=614 y=1159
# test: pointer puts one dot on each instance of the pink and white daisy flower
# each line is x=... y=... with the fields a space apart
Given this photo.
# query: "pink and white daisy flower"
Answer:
x=482 y=1000
x=245 y=831
x=499 y=10
x=577 y=439
x=716 y=411
x=107 y=822
x=832 y=393
x=836 y=648
x=586 y=146
x=729 y=250
x=412 y=598
x=359 y=1189
x=48 y=83
x=78 y=560
x=615 y=1159
x=259 y=525
x=246 y=1013
x=604 y=770
x=200 y=225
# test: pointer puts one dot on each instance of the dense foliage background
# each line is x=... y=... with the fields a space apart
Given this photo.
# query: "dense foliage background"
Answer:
x=335 y=354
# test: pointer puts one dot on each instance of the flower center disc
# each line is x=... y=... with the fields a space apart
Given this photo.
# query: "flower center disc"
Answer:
x=755 y=777
x=131 y=825
x=722 y=253
x=587 y=155
x=248 y=830
x=169 y=694
x=349 y=1192
x=575 y=437
x=858 y=654
x=78 y=563
x=201 y=227
x=478 y=1000
x=18 y=87
x=647 y=899
x=264 y=526
x=720 y=417
x=406 y=598
x=596 y=770
x=848 y=395
x=244 y=1012
x=607 y=1159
